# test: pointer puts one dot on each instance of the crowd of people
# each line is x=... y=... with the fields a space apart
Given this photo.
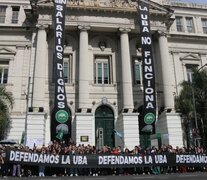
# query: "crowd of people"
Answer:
x=61 y=148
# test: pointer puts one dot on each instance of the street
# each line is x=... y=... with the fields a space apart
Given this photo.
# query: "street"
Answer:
x=177 y=176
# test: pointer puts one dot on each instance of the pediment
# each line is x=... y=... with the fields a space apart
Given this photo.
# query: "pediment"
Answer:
x=7 y=51
x=192 y=57
x=156 y=6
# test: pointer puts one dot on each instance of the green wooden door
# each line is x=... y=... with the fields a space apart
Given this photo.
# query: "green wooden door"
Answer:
x=104 y=121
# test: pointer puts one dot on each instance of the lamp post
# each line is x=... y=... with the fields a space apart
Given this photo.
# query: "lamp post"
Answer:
x=194 y=107
x=201 y=67
x=26 y=112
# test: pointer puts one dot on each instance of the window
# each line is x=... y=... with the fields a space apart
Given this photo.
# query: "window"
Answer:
x=4 y=67
x=67 y=65
x=179 y=24
x=189 y=74
x=15 y=14
x=67 y=69
x=204 y=25
x=2 y=14
x=189 y=69
x=102 y=70
x=190 y=25
x=137 y=70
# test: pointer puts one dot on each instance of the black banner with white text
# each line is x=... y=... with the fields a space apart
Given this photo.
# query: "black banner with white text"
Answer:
x=148 y=116
x=104 y=160
x=60 y=116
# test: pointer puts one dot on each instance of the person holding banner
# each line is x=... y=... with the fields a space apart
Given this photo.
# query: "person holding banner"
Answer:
x=127 y=170
x=155 y=169
x=136 y=151
x=118 y=151
x=42 y=166
x=73 y=170
x=16 y=169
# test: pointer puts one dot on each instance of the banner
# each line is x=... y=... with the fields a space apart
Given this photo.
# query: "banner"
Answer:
x=60 y=117
x=147 y=124
x=105 y=161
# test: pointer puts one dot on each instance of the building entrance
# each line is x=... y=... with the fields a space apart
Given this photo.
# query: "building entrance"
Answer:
x=104 y=126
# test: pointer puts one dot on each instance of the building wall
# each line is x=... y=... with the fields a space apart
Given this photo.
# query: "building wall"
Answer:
x=25 y=48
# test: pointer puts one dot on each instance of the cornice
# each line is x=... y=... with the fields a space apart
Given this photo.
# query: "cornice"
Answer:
x=13 y=28
x=178 y=50
x=196 y=37
x=116 y=6
x=121 y=7
x=16 y=3
x=185 y=5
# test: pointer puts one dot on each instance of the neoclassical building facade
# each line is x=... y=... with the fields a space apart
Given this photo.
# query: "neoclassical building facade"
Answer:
x=102 y=67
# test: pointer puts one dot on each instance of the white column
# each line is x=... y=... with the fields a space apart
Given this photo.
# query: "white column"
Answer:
x=167 y=73
x=83 y=68
x=126 y=69
x=40 y=67
x=179 y=75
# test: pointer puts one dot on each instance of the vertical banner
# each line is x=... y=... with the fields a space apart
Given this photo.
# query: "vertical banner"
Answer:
x=147 y=124
x=60 y=117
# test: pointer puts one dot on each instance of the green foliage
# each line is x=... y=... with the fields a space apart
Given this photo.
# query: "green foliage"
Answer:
x=193 y=98
x=200 y=85
x=184 y=100
x=6 y=103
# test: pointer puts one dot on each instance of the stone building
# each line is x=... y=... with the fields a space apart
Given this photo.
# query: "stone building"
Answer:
x=102 y=67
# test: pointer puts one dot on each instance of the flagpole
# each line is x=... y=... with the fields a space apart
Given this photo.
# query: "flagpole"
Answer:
x=26 y=112
x=120 y=136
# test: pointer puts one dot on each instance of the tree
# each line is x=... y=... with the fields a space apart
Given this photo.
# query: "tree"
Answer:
x=200 y=86
x=184 y=105
x=192 y=104
x=6 y=103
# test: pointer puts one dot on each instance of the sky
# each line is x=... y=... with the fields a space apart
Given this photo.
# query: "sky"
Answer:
x=195 y=1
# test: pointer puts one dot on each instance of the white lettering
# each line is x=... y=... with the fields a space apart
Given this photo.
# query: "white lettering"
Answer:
x=61 y=1
x=149 y=105
x=66 y=160
x=60 y=82
x=61 y=105
x=144 y=16
x=12 y=156
x=59 y=48
x=148 y=75
x=146 y=40
x=59 y=55
x=144 y=23
x=59 y=14
x=143 y=8
x=59 y=7
x=145 y=29
x=149 y=98
x=58 y=21
x=60 y=97
x=122 y=160
x=59 y=66
x=61 y=89
x=59 y=34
